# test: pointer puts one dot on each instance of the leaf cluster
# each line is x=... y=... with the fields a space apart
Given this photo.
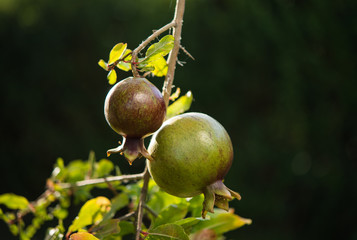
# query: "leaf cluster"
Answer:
x=153 y=62
x=112 y=215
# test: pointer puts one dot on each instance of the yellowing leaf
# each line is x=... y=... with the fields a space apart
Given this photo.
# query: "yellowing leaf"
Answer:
x=112 y=77
x=82 y=236
x=125 y=65
x=160 y=66
x=91 y=213
x=117 y=52
x=103 y=64
x=13 y=201
x=222 y=222
x=180 y=106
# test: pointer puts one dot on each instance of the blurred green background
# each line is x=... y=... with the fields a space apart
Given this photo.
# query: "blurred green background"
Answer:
x=280 y=75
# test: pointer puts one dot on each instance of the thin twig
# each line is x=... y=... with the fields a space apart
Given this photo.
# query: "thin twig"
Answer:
x=145 y=43
x=150 y=210
x=186 y=52
x=143 y=193
x=126 y=216
x=178 y=19
x=102 y=180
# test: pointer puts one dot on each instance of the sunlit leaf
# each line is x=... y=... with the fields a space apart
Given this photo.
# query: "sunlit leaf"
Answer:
x=76 y=170
x=125 y=65
x=159 y=66
x=222 y=222
x=103 y=64
x=166 y=232
x=14 y=201
x=181 y=105
x=112 y=77
x=171 y=214
x=160 y=199
x=117 y=52
x=82 y=236
x=91 y=212
x=160 y=49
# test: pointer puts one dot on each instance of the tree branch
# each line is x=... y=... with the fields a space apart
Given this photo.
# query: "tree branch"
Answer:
x=143 y=193
x=145 y=43
x=178 y=20
x=103 y=180
x=172 y=59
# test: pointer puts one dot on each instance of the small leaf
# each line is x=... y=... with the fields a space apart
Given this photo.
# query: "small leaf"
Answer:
x=222 y=222
x=103 y=64
x=60 y=213
x=116 y=53
x=112 y=77
x=166 y=232
x=159 y=66
x=171 y=214
x=181 y=105
x=160 y=49
x=14 y=201
x=91 y=213
x=82 y=236
x=125 y=65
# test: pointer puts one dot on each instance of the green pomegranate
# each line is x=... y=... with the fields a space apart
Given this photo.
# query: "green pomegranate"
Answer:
x=192 y=154
x=134 y=108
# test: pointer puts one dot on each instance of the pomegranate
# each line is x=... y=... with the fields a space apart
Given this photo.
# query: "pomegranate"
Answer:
x=134 y=108
x=192 y=154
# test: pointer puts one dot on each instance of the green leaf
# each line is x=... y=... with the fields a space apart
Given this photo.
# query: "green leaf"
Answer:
x=160 y=49
x=91 y=213
x=222 y=222
x=116 y=53
x=160 y=199
x=195 y=207
x=103 y=64
x=106 y=228
x=14 y=201
x=82 y=236
x=181 y=105
x=118 y=202
x=171 y=214
x=187 y=223
x=103 y=168
x=126 y=228
x=112 y=77
x=76 y=171
x=166 y=232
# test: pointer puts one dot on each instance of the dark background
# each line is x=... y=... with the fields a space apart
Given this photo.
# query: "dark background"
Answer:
x=280 y=75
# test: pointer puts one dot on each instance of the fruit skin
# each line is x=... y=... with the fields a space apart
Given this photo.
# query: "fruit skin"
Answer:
x=134 y=108
x=192 y=153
